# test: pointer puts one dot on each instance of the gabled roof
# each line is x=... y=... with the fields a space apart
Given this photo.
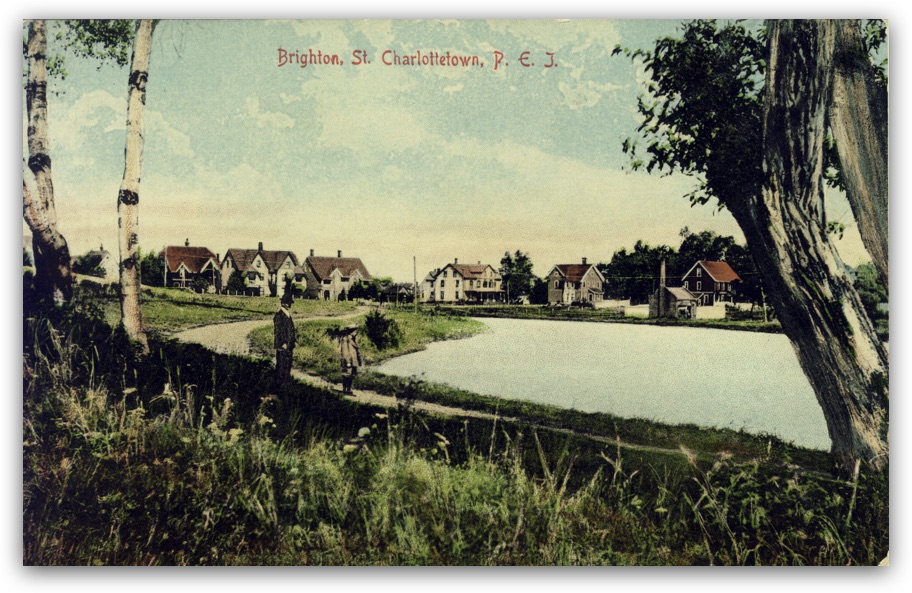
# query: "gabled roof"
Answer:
x=472 y=271
x=719 y=271
x=243 y=258
x=193 y=258
x=681 y=294
x=575 y=272
x=323 y=267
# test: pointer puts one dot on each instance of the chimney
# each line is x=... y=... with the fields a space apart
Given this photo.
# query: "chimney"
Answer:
x=340 y=253
x=455 y=260
x=662 y=275
x=584 y=261
x=311 y=253
x=260 y=246
x=187 y=242
x=479 y=262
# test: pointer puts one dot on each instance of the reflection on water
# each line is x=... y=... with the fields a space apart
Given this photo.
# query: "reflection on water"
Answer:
x=709 y=377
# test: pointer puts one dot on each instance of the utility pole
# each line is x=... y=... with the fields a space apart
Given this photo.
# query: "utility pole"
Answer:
x=415 y=280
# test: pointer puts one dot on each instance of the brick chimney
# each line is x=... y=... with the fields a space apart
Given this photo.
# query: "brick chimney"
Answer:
x=340 y=253
x=455 y=260
x=311 y=253
x=662 y=275
x=260 y=246
x=187 y=242
x=584 y=261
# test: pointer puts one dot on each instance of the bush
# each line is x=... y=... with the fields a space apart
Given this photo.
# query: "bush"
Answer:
x=382 y=331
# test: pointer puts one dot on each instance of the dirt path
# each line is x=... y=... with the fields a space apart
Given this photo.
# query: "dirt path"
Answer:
x=231 y=338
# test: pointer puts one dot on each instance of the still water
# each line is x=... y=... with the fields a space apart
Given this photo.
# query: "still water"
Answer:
x=709 y=377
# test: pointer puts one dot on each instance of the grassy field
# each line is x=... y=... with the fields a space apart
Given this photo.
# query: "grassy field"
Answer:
x=115 y=479
x=167 y=310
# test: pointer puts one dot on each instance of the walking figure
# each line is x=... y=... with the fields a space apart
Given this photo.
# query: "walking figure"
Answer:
x=350 y=356
x=285 y=338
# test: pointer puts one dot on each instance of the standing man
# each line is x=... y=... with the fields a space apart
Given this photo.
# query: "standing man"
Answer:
x=285 y=337
x=350 y=356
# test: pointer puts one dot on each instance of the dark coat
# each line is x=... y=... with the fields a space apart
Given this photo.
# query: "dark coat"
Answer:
x=285 y=333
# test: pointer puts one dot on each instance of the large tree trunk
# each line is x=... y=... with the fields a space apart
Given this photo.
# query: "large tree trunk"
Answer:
x=858 y=119
x=785 y=226
x=53 y=276
x=128 y=197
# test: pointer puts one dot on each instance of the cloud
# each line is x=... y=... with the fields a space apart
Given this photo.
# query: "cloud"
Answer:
x=585 y=94
x=454 y=88
x=264 y=119
x=365 y=110
x=570 y=35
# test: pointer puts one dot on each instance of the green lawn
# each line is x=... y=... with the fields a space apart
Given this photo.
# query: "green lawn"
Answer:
x=317 y=352
x=167 y=310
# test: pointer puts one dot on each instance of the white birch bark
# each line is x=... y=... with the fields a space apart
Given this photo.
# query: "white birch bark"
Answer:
x=53 y=277
x=128 y=196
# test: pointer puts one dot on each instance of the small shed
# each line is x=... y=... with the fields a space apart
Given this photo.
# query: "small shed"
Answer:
x=673 y=302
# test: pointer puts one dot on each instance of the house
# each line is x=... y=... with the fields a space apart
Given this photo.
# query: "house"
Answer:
x=673 y=302
x=397 y=293
x=184 y=265
x=712 y=282
x=330 y=278
x=470 y=283
x=575 y=283
x=261 y=269
x=97 y=262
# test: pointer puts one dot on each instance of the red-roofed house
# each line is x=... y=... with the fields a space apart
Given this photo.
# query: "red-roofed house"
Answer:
x=183 y=265
x=712 y=282
x=260 y=268
x=471 y=283
x=575 y=283
x=330 y=278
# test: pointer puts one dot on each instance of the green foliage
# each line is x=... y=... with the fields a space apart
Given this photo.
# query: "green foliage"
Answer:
x=516 y=271
x=873 y=294
x=702 y=107
x=102 y=40
x=236 y=282
x=89 y=265
x=382 y=331
x=151 y=268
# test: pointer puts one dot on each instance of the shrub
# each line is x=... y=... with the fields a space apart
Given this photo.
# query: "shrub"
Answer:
x=382 y=331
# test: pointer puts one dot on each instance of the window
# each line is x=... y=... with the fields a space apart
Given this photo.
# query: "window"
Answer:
x=258 y=263
x=557 y=284
x=445 y=273
x=699 y=285
x=457 y=284
x=457 y=295
x=442 y=283
x=699 y=272
x=287 y=263
x=441 y=295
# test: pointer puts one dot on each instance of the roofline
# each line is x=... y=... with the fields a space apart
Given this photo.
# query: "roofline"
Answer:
x=700 y=263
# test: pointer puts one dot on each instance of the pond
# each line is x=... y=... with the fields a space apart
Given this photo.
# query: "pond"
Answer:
x=709 y=377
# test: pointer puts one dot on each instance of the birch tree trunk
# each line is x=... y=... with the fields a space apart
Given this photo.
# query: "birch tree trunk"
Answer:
x=785 y=225
x=128 y=197
x=858 y=119
x=53 y=276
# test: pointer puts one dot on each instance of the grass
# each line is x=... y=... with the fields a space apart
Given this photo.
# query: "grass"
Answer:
x=111 y=480
x=185 y=458
x=168 y=310
x=316 y=352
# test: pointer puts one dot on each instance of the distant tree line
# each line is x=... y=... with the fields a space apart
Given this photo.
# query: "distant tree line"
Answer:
x=634 y=274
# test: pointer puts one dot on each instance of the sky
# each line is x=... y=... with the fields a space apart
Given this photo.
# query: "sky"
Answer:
x=383 y=162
